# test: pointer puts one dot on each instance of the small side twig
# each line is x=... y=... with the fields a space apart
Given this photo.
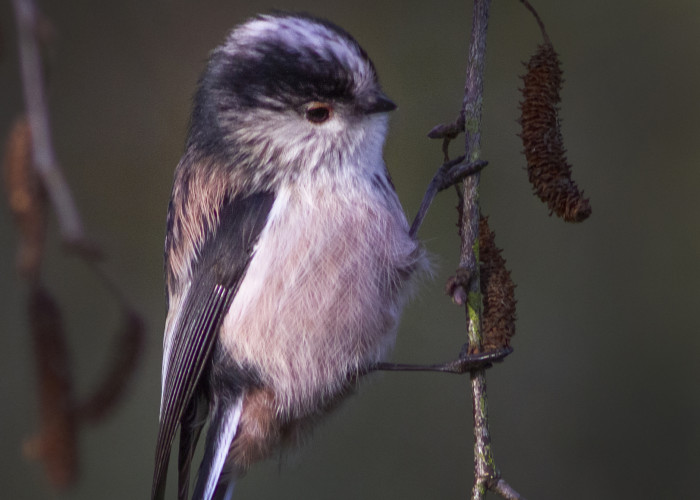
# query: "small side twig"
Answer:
x=506 y=490
x=448 y=132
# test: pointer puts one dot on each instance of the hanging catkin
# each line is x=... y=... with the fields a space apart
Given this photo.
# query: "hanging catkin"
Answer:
x=547 y=167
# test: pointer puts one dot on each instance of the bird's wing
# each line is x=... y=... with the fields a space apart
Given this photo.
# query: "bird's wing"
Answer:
x=191 y=424
x=223 y=259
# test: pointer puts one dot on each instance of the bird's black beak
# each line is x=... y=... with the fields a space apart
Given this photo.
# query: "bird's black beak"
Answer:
x=378 y=103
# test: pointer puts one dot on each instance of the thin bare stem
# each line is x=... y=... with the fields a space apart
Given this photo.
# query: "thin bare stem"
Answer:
x=486 y=474
x=38 y=115
x=529 y=7
x=484 y=466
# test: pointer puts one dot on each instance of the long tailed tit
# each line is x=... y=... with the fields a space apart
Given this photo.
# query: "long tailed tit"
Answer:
x=287 y=253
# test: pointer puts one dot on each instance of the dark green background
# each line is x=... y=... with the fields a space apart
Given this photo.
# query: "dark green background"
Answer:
x=600 y=398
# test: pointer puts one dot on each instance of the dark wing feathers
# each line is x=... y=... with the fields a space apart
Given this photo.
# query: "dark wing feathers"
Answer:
x=191 y=425
x=223 y=260
x=194 y=339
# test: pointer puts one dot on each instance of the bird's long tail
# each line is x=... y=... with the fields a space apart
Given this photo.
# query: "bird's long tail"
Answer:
x=222 y=431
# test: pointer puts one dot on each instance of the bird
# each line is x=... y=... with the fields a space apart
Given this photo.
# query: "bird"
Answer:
x=288 y=258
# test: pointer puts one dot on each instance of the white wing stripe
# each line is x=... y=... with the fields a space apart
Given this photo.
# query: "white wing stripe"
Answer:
x=228 y=432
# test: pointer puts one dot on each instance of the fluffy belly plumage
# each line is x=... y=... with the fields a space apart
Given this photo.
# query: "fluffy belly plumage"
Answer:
x=319 y=303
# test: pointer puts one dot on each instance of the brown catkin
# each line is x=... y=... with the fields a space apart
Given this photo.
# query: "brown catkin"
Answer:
x=547 y=167
x=498 y=290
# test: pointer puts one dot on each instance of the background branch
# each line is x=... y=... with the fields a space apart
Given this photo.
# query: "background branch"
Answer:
x=33 y=175
x=43 y=155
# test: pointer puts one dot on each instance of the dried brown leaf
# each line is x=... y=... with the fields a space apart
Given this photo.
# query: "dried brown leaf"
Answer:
x=26 y=198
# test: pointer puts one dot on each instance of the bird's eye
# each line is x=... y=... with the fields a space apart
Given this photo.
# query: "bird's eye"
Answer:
x=318 y=112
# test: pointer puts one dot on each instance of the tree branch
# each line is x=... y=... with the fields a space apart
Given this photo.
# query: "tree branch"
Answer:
x=486 y=474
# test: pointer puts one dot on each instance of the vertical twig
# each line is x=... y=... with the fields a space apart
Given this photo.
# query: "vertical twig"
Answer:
x=484 y=467
x=486 y=474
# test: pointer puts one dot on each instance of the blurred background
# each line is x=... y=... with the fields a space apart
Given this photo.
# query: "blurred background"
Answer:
x=600 y=398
